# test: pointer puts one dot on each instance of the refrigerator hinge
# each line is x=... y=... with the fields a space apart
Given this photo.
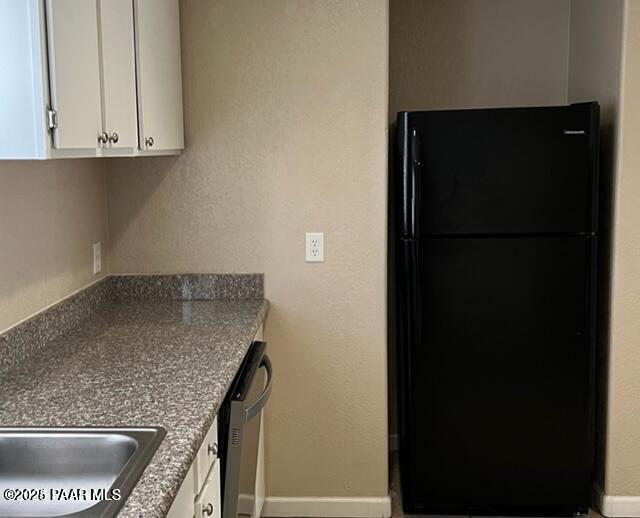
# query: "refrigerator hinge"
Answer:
x=52 y=119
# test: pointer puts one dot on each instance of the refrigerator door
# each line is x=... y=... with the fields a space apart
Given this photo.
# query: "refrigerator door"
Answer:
x=495 y=376
x=499 y=171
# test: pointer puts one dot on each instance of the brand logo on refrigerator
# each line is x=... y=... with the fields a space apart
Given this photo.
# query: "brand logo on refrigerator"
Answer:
x=574 y=132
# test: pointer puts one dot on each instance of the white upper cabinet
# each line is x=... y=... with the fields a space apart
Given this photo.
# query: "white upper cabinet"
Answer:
x=119 y=116
x=74 y=73
x=76 y=80
x=159 y=75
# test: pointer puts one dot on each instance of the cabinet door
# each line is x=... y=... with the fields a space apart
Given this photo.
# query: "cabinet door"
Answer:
x=159 y=75
x=208 y=503
x=118 y=73
x=206 y=455
x=74 y=72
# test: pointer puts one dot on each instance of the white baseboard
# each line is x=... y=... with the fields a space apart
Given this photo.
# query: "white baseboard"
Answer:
x=314 y=506
x=393 y=442
x=616 y=506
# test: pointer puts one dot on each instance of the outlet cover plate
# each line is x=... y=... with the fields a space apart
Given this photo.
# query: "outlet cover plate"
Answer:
x=314 y=247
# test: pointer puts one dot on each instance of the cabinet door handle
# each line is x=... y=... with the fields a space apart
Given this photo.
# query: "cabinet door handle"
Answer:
x=208 y=510
x=103 y=137
x=149 y=141
x=114 y=138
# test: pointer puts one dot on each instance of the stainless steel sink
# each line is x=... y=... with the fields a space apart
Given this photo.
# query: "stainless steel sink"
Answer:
x=75 y=472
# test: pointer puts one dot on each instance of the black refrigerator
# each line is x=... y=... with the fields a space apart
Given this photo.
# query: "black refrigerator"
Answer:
x=495 y=260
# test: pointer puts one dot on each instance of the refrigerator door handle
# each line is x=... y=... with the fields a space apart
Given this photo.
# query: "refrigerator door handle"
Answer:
x=409 y=339
x=415 y=168
x=405 y=170
x=412 y=278
x=410 y=167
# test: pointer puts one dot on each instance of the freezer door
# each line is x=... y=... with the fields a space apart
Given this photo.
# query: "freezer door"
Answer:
x=496 y=377
x=500 y=171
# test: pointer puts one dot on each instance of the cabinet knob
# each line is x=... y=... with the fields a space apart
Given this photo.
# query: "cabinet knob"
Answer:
x=103 y=137
x=212 y=449
x=114 y=138
x=149 y=141
x=208 y=510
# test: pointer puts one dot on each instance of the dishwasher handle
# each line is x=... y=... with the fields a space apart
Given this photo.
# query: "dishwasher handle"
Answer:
x=255 y=408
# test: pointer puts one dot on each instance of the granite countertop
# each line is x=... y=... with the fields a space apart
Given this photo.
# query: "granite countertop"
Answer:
x=139 y=363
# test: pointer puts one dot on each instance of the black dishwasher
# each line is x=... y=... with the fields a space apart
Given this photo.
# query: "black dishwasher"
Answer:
x=240 y=420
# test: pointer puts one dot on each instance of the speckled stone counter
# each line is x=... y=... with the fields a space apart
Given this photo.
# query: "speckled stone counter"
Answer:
x=162 y=363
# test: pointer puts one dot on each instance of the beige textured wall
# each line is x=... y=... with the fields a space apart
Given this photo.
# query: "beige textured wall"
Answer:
x=50 y=215
x=477 y=53
x=285 y=114
x=595 y=56
x=623 y=448
x=472 y=54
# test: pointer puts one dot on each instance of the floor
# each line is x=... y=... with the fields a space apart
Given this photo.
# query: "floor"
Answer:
x=396 y=491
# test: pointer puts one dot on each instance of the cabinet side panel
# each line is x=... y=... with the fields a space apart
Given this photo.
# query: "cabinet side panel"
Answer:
x=183 y=502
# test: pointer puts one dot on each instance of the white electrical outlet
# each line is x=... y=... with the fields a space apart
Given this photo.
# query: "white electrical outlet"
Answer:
x=97 y=259
x=314 y=247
